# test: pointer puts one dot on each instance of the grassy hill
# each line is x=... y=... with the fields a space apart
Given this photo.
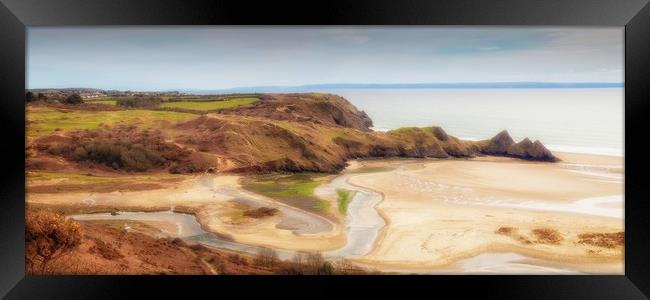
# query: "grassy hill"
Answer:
x=277 y=133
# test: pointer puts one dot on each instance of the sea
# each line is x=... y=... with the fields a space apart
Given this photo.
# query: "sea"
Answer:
x=579 y=120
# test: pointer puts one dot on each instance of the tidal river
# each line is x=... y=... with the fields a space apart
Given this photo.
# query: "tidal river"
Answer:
x=363 y=223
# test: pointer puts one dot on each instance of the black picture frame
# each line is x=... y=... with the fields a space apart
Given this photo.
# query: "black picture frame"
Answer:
x=634 y=15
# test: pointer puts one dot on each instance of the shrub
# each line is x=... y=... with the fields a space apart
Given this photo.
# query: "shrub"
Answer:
x=326 y=269
x=125 y=148
x=139 y=102
x=266 y=258
x=48 y=236
x=119 y=155
x=73 y=99
x=29 y=97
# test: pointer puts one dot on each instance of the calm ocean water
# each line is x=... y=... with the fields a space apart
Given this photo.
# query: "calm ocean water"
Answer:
x=573 y=120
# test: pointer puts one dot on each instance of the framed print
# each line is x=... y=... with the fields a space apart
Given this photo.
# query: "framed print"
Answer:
x=342 y=145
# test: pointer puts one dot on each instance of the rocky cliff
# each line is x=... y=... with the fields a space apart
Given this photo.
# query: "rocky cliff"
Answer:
x=325 y=109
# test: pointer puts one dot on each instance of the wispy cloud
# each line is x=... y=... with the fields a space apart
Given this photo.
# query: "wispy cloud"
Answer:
x=221 y=57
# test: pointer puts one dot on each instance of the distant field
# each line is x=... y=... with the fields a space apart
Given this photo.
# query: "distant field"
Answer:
x=45 y=120
x=207 y=105
x=107 y=101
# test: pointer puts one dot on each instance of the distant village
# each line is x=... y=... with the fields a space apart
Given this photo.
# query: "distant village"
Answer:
x=86 y=93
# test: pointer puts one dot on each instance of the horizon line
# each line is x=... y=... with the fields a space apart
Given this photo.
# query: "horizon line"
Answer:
x=432 y=85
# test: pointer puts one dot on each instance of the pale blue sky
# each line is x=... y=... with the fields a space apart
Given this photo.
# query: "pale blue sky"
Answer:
x=200 y=57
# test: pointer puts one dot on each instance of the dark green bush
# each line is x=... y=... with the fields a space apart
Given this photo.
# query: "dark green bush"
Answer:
x=119 y=155
x=125 y=148
x=29 y=97
x=73 y=99
x=139 y=102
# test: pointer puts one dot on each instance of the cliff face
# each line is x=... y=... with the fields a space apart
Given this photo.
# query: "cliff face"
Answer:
x=325 y=109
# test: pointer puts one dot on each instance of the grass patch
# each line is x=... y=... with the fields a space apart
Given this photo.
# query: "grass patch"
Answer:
x=296 y=190
x=323 y=205
x=90 y=178
x=106 y=100
x=70 y=177
x=61 y=182
x=75 y=209
x=343 y=199
x=205 y=105
x=45 y=120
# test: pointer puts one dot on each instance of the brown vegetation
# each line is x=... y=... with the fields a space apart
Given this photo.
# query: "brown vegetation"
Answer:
x=123 y=147
x=513 y=233
x=102 y=248
x=605 y=240
x=48 y=237
x=506 y=230
x=547 y=236
x=139 y=102
x=261 y=212
x=325 y=109
x=105 y=250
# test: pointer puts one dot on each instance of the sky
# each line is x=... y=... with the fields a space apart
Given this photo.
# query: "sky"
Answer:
x=221 y=57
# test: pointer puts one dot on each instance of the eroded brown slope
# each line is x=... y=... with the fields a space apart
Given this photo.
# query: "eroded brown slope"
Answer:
x=324 y=109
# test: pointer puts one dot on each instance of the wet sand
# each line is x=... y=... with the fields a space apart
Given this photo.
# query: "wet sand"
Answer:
x=443 y=213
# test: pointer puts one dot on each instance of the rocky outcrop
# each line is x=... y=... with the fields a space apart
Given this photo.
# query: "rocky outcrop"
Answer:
x=503 y=145
x=499 y=144
x=531 y=151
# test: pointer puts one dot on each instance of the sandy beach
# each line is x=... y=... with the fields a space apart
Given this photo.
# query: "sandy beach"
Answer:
x=440 y=212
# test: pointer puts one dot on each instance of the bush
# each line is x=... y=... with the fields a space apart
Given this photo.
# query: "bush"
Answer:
x=127 y=156
x=73 y=99
x=266 y=258
x=326 y=269
x=125 y=148
x=139 y=101
x=48 y=236
x=29 y=97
